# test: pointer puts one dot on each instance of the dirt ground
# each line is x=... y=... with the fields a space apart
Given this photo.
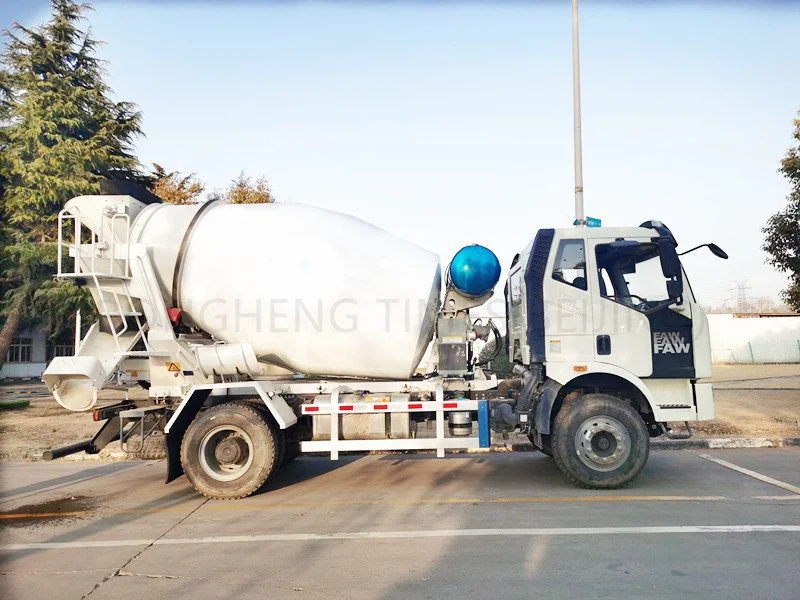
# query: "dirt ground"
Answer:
x=26 y=433
x=751 y=401
x=755 y=400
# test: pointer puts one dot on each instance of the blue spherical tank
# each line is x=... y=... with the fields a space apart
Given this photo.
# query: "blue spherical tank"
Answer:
x=474 y=270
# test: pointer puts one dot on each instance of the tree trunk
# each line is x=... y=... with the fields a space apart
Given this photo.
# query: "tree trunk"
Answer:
x=15 y=313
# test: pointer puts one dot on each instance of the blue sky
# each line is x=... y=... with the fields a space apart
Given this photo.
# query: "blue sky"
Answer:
x=451 y=123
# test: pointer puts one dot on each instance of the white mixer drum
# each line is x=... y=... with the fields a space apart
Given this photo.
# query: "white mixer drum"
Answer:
x=318 y=292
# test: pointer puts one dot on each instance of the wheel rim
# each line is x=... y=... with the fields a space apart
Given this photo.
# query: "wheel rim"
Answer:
x=226 y=453
x=602 y=443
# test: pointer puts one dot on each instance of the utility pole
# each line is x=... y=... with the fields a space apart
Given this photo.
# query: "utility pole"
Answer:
x=580 y=217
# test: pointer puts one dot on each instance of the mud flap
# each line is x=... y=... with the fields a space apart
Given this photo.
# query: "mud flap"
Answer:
x=177 y=429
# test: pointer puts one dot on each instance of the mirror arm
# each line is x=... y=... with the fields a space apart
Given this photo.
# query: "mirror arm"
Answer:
x=691 y=249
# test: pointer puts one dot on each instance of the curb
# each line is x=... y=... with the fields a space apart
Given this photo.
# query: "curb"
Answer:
x=725 y=443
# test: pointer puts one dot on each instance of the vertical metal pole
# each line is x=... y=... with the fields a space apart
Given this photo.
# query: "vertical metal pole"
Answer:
x=439 y=421
x=77 y=330
x=335 y=423
x=580 y=218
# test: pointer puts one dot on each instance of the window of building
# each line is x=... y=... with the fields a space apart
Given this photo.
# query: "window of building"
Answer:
x=570 y=265
x=62 y=345
x=63 y=349
x=20 y=350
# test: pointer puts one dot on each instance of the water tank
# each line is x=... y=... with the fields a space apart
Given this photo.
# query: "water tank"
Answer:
x=474 y=270
x=312 y=290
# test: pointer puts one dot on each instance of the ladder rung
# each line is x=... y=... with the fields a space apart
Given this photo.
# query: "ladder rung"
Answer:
x=100 y=276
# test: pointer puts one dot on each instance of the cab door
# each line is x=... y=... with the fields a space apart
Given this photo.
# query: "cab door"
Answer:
x=621 y=332
x=642 y=314
x=568 y=305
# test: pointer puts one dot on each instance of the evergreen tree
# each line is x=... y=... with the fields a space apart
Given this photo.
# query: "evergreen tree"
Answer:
x=782 y=241
x=61 y=133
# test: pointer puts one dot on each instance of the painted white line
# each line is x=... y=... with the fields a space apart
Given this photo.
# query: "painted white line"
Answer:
x=392 y=535
x=754 y=474
x=87 y=544
x=781 y=497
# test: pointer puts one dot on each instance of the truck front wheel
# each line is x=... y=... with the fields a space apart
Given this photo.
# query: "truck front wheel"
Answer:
x=600 y=441
x=230 y=450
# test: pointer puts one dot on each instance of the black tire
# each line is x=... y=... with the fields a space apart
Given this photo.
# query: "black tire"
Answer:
x=613 y=440
x=153 y=448
x=287 y=450
x=229 y=451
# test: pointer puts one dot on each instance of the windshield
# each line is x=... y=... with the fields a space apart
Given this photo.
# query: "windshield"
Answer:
x=631 y=274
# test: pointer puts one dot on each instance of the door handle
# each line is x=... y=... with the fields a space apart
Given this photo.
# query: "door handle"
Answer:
x=603 y=345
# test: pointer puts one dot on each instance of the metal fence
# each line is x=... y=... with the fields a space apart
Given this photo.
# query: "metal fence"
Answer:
x=748 y=339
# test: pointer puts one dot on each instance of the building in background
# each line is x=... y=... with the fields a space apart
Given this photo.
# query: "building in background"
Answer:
x=31 y=350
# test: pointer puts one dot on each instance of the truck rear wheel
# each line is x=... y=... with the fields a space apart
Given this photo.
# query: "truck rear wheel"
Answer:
x=600 y=441
x=230 y=450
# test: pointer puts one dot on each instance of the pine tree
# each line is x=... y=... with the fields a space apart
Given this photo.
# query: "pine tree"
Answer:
x=61 y=133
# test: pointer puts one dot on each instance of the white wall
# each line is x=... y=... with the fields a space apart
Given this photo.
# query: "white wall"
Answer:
x=38 y=357
x=754 y=340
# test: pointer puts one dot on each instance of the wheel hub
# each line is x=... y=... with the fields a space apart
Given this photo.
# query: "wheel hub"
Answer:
x=231 y=450
x=602 y=443
x=225 y=453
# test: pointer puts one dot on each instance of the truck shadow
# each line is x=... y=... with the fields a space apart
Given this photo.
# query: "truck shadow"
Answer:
x=304 y=468
x=79 y=476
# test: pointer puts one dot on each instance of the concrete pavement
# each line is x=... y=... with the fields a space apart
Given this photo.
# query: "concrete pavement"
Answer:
x=408 y=526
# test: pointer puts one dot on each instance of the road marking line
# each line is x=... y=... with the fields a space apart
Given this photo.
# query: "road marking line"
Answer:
x=44 y=515
x=447 y=501
x=754 y=474
x=345 y=503
x=434 y=533
x=781 y=497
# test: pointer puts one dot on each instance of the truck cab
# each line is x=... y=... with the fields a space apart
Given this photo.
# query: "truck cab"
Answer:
x=609 y=311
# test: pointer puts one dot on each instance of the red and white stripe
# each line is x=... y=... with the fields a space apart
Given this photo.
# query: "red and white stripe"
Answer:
x=375 y=407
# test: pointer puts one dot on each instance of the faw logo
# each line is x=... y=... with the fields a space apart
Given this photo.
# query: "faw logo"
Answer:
x=670 y=342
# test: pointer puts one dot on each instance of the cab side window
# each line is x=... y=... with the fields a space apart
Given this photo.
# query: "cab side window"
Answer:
x=515 y=287
x=570 y=265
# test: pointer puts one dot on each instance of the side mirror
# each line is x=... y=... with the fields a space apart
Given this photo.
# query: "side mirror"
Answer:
x=670 y=263
x=717 y=251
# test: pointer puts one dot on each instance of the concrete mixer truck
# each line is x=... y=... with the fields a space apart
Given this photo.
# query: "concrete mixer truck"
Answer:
x=264 y=331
